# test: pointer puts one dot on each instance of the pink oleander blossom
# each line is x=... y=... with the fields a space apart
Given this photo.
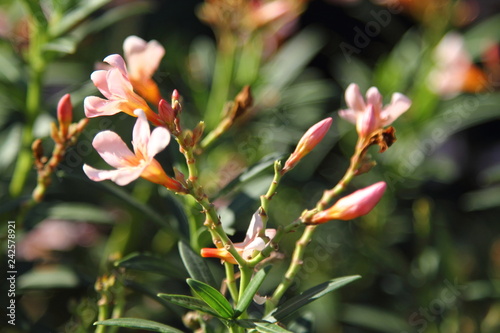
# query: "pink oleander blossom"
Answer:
x=369 y=114
x=54 y=235
x=454 y=71
x=250 y=244
x=143 y=59
x=117 y=89
x=354 y=205
x=132 y=165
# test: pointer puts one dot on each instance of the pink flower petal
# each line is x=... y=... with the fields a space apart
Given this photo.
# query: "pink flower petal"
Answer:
x=95 y=106
x=374 y=98
x=116 y=61
x=122 y=177
x=141 y=133
x=349 y=115
x=119 y=85
x=99 y=78
x=399 y=105
x=354 y=99
x=143 y=58
x=367 y=122
x=159 y=139
x=254 y=227
x=113 y=150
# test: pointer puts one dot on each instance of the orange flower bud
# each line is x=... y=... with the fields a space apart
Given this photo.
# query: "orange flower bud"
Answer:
x=221 y=253
x=309 y=140
x=354 y=205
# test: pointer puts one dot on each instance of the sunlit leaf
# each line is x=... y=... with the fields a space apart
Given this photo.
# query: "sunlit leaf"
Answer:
x=306 y=297
x=136 y=323
x=212 y=297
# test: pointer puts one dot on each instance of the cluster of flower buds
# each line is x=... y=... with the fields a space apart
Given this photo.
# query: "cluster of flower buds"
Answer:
x=64 y=134
x=169 y=113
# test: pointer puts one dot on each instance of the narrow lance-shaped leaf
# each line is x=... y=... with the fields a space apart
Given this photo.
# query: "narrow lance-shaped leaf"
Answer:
x=149 y=263
x=189 y=302
x=260 y=326
x=270 y=328
x=212 y=297
x=195 y=265
x=136 y=323
x=251 y=290
x=297 y=302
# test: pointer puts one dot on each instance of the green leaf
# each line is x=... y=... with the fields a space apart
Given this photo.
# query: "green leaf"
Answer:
x=299 y=301
x=75 y=16
x=251 y=290
x=51 y=278
x=304 y=323
x=150 y=263
x=212 y=297
x=250 y=173
x=270 y=328
x=145 y=290
x=372 y=319
x=195 y=265
x=138 y=324
x=189 y=302
x=482 y=35
x=283 y=69
x=260 y=326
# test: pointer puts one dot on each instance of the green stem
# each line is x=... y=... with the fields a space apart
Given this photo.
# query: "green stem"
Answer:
x=102 y=315
x=305 y=239
x=265 y=199
x=36 y=68
x=231 y=281
x=222 y=77
x=245 y=276
x=295 y=265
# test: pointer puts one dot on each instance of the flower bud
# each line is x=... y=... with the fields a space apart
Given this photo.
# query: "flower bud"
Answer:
x=166 y=113
x=220 y=253
x=64 y=114
x=354 y=205
x=309 y=140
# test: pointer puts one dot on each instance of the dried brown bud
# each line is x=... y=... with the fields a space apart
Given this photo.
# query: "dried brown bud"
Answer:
x=242 y=102
x=37 y=149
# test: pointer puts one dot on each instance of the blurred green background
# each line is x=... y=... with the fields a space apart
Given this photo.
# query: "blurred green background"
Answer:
x=429 y=254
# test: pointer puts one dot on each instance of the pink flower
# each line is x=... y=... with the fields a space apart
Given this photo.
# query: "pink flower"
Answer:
x=454 y=71
x=143 y=59
x=55 y=235
x=370 y=114
x=119 y=95
x=250 y=244
x=309 y=140
x=132 y=165
x=354 y=205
